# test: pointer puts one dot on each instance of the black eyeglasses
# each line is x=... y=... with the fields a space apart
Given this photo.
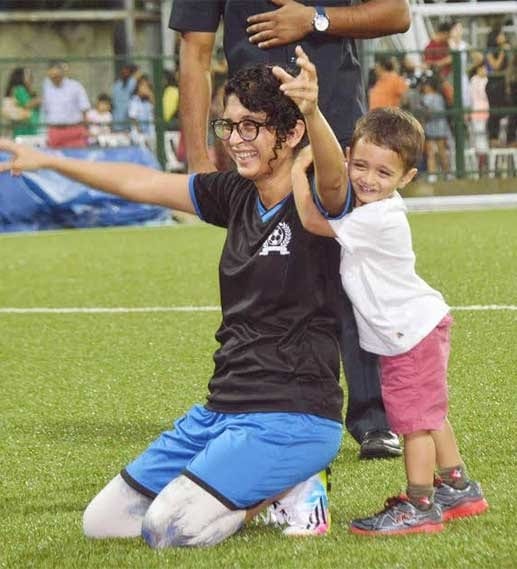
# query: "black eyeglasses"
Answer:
x=248 y=129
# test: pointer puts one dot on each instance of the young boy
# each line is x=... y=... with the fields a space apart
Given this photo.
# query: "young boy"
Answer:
x=399 y=316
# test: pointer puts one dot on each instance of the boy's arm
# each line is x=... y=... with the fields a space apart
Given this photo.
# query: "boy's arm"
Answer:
x=311 y=218
x=329 y=161
x=130 y=181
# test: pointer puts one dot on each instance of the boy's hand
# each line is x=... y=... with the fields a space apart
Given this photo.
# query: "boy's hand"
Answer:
x=302 y=89
x=24 y=157
x=304 y=159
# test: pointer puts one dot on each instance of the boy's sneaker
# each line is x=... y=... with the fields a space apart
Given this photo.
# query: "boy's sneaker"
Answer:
x=400 y=517
x=304 y=510
x=457 y=503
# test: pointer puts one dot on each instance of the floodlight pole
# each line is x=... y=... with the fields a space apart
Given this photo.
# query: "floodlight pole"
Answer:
x=129 y=25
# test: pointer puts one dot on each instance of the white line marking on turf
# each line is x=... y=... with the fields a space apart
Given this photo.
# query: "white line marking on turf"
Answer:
x=475 y=307
x=127 y=310
x=108 y=310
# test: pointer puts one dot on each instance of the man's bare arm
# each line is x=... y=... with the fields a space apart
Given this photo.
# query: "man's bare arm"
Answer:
x=292 y=21
x=195 y=95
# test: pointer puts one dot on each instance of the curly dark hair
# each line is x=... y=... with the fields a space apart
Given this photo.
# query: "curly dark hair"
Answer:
x=258 y=90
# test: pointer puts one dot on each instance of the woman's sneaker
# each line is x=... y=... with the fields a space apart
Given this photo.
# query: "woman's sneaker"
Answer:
x=400 y=517
x=456 y=503
x=304 y=510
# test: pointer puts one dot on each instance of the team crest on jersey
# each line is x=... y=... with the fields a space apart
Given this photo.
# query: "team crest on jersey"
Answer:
x=278 y=240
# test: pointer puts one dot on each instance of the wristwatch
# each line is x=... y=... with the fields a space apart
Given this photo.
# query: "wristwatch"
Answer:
x=320 y=22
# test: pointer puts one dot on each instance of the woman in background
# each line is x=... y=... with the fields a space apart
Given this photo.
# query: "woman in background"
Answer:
x=20 y=89
x=496 y=61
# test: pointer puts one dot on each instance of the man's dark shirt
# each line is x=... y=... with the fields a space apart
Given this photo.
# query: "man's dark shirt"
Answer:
x=341 y=91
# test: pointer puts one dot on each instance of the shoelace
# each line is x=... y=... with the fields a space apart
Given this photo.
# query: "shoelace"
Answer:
x=393 y=501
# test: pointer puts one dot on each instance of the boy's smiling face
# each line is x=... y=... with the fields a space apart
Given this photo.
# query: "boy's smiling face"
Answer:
x=375 y=172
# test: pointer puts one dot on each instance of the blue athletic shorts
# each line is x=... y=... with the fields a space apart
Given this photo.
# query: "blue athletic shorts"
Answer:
x=241 y=459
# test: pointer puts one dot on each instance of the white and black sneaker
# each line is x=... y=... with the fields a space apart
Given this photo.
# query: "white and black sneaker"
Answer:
x=304 y=510
x=380 y=444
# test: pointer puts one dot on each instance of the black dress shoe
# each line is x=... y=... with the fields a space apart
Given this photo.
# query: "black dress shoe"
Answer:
x=380 y=444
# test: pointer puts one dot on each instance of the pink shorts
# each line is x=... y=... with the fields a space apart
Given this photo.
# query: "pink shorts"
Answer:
x=414 y=384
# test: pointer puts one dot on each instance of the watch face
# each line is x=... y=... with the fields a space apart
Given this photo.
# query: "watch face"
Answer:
x=321 y=23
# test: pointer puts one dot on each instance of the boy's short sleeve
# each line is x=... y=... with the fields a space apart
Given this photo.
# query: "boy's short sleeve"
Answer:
x=359 y=228
x=215 y=195
x=196 y=15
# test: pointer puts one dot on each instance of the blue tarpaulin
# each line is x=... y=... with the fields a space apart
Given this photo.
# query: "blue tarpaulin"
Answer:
x=47 y=200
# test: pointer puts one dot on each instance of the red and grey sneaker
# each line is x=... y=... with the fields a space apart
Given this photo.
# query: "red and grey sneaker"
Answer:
x=456 y=503
x=400 y=517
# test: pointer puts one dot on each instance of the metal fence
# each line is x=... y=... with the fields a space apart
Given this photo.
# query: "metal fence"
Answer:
x=98 y=75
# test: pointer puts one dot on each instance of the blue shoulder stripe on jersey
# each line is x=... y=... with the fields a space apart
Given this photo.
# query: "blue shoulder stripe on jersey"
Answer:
x=347 y=207
x=267 y=214
x=193 y=195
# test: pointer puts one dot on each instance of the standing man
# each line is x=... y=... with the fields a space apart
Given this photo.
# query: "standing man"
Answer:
x=64 y=104
x=268 y=31
x=121 y=92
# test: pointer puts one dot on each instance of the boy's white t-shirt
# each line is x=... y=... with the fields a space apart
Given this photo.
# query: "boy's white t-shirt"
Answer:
x=394 y=308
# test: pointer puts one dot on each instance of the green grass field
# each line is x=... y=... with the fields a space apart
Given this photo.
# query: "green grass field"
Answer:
x=83 y=393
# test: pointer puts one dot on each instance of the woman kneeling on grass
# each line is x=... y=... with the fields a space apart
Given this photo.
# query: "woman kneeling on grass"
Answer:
x=273 y=416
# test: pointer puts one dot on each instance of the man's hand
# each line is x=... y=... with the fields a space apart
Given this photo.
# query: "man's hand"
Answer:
x=302 y=89
x=24 y=157
x=290 y=23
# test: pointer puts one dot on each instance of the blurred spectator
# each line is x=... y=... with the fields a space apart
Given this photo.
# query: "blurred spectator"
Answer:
x=457 y=43
x=141 y=107
x=100 y=118
x=497 y=59
x=389 y=87
x=414 y=74
x=437 y=53
x=64 y=105
x=436 y=128
x=438 y=58
x=23 y=103
x=170 y=101
x=512 y=100
x=480 y=112
x=121 y=93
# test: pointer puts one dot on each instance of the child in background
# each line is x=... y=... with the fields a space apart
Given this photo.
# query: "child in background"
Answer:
x=141 y=107
x=480 y=112
x=436 y=128
x=399 y=316
x=100 y=118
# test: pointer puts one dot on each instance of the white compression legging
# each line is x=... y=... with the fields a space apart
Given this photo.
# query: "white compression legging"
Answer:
x=183 y=514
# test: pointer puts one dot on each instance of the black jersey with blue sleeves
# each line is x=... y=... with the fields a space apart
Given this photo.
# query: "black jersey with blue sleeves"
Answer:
x=280 y=298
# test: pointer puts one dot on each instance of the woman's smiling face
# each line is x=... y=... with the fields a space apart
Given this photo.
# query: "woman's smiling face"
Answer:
x=252 y=158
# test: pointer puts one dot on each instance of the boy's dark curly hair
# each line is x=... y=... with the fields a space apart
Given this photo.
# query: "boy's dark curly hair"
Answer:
x=258 y=90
